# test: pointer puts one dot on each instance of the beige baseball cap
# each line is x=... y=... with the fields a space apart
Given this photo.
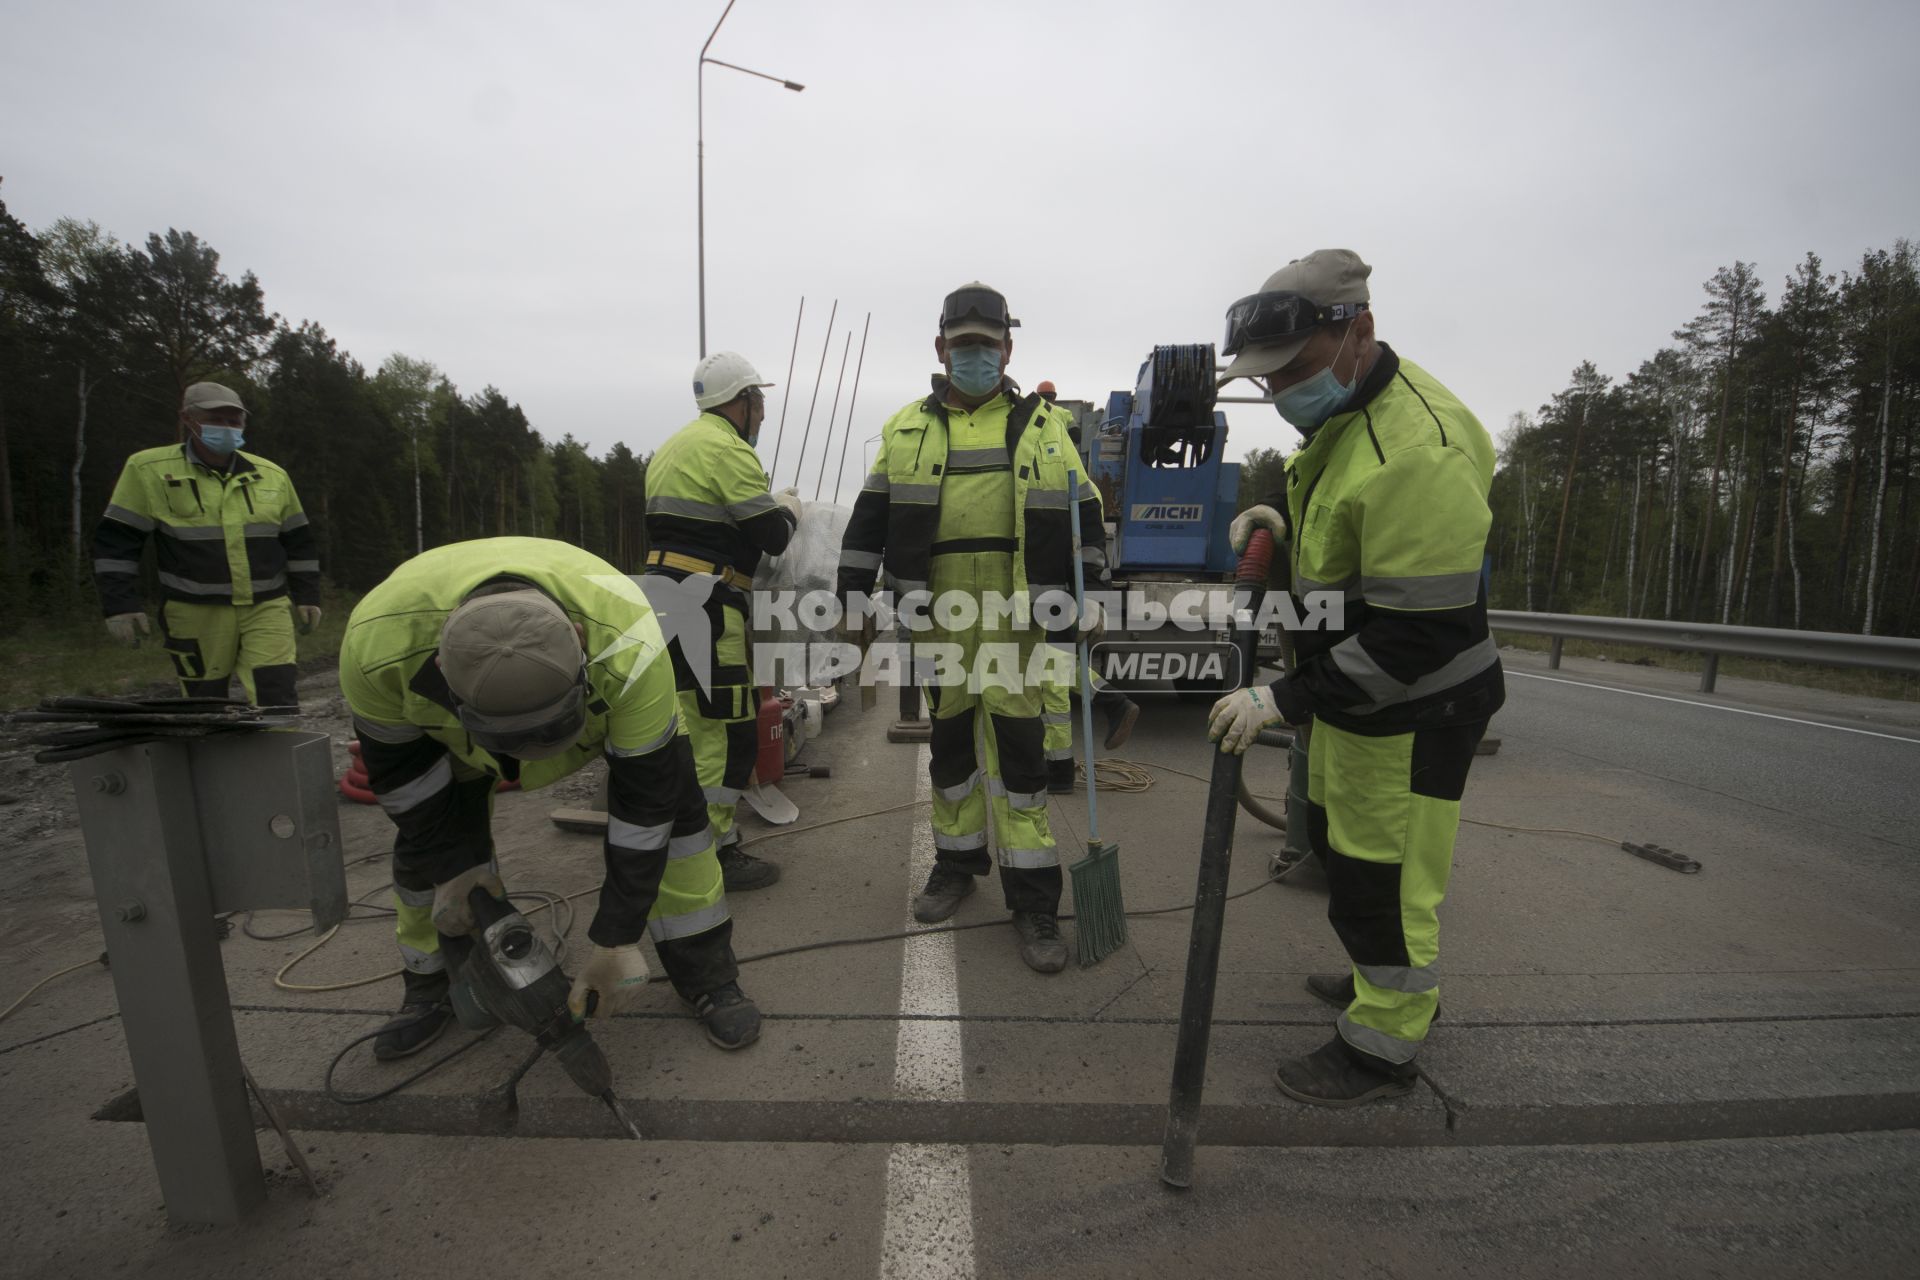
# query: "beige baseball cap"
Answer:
x=510 y=656
x=1325 y=286
x=211 y=395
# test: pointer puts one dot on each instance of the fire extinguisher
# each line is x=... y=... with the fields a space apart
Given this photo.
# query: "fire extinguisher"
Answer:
x=770 y=762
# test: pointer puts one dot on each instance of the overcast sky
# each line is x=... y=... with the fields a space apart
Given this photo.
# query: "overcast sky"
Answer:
x=508 y=189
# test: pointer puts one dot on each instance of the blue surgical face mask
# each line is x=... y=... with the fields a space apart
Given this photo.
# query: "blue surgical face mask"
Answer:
x=1309 y=403
x=222 y=440
x=976 y=370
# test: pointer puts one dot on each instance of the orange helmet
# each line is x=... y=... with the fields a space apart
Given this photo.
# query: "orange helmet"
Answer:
x=1047 y=389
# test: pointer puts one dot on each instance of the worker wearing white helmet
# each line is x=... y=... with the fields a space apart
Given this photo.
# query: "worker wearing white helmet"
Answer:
x=710 y=518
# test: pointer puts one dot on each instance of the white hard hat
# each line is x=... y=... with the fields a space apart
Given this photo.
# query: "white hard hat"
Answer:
x=722 y=376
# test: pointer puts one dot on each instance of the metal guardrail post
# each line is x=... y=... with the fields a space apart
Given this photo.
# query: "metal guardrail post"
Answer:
x=1553 y=654
x=176 y=832
x=1709 y=672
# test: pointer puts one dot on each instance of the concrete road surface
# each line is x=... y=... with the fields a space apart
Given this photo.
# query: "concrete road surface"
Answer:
x=1638 y=1072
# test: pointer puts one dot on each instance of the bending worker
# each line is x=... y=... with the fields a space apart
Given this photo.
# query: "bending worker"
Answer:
x=1388 y=497
x=968 y=505
x=233 y=545
x=1118 y=710
x=526 y=659
x=709 y=520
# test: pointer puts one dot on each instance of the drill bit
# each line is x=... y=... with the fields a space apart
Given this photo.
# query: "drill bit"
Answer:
x=620 y=1114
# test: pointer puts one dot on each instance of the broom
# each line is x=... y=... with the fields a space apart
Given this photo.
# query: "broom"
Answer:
x=1099 y=914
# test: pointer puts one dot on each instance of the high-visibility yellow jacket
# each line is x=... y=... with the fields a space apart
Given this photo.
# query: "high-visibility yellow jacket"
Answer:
x=410 y=732
x=707 y=498
x=234 y=536
x=1387 y=502
x=896 y=518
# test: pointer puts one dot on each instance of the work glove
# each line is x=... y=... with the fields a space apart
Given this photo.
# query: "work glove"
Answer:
x=127 y=628
x=1237 y=719
x=1240 y=532
x=614 y=975
x=451 y=914
x=309 y=616
x=789 y=500
x=1093 y=623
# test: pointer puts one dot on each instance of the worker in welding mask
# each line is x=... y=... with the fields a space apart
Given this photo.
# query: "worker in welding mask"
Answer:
x=971 y=496
x=1386 y=508
x=524 y=659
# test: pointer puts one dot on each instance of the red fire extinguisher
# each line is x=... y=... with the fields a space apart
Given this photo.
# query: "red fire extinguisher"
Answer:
x=770 y=764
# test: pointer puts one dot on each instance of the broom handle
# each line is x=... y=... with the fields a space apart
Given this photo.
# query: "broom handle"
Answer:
x=1081 y=654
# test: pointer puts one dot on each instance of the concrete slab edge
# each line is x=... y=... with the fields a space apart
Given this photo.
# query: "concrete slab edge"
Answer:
x=1281 y=1124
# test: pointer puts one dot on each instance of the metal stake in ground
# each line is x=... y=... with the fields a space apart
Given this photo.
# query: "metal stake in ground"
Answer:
x=1210 y=902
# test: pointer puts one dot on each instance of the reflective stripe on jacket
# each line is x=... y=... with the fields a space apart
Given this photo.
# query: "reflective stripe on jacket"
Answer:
x=400 y=699
x=891 y=532
x=223 y=537
x=1388 y=506
x=707 y=498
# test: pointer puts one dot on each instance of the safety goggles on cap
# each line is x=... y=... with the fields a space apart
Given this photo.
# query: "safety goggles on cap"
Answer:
x=1265 y=319
x=531 y=735
x=973 y=302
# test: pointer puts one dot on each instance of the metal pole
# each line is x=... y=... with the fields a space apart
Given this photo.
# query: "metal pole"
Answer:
x=858 y=365
x=700 y=116
x=826 y=446
x=818 y=374
x=786 y=389
x=1203 y=949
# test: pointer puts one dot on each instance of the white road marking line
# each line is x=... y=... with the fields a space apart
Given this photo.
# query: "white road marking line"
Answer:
x=1714 y=706
x=929 y=1223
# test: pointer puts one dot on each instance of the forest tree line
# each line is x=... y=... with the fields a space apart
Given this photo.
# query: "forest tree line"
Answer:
x=1759 y=470
x=100 y=338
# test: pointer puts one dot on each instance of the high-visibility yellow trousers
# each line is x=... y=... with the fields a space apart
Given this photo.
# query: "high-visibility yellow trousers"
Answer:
x=987 y=744
x=211 y=643
x=1382 y=813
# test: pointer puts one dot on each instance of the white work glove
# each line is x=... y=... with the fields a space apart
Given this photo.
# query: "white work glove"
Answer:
x=789 y=500
x=127 y=628
x=1237 y=719
x=1240 y=532
x=613 y=974
x=1093 y=623
x=309 y=616
x=451 y=914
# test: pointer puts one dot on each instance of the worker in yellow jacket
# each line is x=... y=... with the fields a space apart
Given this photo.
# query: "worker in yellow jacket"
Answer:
x=526 y=659
x=1386 y=505
x=233 y=546
x=710 y=518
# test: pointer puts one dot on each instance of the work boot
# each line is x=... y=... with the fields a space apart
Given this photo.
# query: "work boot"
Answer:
x=412 y=1029
x=1060 y=777
x=1121 y=713
x=1337 y=990
x=1041 y=945
x=731 y=1017
x=740 y=871
x=1337 y=1075
x=941 y=898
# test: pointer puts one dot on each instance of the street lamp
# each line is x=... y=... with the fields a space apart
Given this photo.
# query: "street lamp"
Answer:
x=701 y=130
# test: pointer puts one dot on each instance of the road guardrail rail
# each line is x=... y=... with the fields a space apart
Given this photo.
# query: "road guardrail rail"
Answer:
x=1780 y=644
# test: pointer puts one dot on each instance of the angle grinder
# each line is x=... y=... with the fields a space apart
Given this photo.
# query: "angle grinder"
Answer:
x=505 y=972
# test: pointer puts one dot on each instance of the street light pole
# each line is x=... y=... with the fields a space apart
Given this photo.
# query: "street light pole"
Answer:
x=700 y=128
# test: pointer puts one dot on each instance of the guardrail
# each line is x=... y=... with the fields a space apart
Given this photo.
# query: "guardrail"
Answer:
x=1827 y=648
